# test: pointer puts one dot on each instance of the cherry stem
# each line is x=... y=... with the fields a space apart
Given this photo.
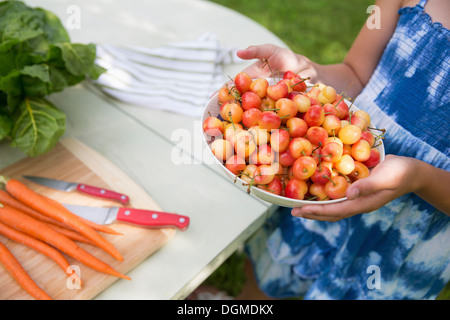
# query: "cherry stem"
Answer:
x=351 y=104
x=266 y=62
x=342 y=98
x=276 y=109
x=303 y=80
x=344 y=175
x=306 y=68
x=382 y=130
x=334 y=183
x=231 y=120
x=345 y=91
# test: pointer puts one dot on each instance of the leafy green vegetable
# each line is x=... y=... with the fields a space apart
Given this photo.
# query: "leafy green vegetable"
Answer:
x=36 y=60
x=38 y=126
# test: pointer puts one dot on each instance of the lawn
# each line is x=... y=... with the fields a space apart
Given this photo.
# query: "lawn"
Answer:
x=322 y=30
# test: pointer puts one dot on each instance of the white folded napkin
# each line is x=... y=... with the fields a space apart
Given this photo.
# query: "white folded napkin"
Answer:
x=178 y=77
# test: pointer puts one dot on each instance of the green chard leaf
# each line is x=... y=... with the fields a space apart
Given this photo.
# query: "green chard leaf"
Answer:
x=78 y=58
x=38 y=126
x=36 y=60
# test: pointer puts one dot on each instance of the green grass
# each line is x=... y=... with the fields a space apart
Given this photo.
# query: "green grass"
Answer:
x=322 y=30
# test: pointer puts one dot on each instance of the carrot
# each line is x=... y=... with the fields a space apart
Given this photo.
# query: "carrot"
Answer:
x=20 y=275
x=6 y=198
x=40 y=203
x=37 y=245
x=73 y=235
x=35 y=228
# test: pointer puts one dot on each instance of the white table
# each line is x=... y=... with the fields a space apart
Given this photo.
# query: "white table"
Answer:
x=138 y=140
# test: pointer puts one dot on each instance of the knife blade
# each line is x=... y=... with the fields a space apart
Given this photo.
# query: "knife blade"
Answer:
x=80 y=187
x=138 y=217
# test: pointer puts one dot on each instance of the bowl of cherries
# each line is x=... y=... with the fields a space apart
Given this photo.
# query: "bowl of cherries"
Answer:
x=290 y=142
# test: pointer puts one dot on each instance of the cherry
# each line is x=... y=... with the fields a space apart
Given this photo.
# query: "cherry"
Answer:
x=269 y=120
x=275 y=186
x=332 y=152
x=250 y=117
x=297 y=127
x=213 y=127
x=279 y=140
x=321 y=175
x=317 y=190
x=264 y=174
x=302 y=102
x=336 y=187
x=317 y=135
x=327 y=95
x=263 y=155
x=350 y=134
x=304 y=167
x=374 y=158
x=222 y=149
x=242 y=82
x=300 y=146
x=314 y=116
x=278 y=91
x=361 y=171
x=231 y=111
x=235 y=164
x=226 y=94
x=286 y=159
x=345 y=164
x=361 y=150
x=296 y=189
x=259 y=86
x=250 y=100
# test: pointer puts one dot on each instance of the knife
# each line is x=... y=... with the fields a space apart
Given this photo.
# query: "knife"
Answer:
x=137 y=217
x=81 y=187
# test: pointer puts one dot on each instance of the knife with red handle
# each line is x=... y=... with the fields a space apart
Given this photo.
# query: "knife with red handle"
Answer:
x=80 y=187
x=138 y=217
x=154 y=219
x=102 y=193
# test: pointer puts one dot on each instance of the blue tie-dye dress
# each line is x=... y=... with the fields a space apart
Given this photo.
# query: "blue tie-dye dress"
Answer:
x=401 y=251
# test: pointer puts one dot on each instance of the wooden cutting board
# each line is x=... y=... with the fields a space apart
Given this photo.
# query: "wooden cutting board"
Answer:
x=71 y=160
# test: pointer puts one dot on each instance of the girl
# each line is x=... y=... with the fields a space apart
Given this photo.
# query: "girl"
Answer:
x=391 y=239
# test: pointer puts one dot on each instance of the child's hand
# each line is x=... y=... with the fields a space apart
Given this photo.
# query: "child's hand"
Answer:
x=279 y=59
x=393 y=177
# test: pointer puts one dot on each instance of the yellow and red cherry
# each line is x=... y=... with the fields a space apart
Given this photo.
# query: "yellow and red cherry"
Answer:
x=213 y=127
x=336 y=187
x=242 y=81
x=304 y=167
x=296 y=189
x=269 y=120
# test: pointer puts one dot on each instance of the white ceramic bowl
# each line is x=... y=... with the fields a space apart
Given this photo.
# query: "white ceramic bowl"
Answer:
x=213 y=109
